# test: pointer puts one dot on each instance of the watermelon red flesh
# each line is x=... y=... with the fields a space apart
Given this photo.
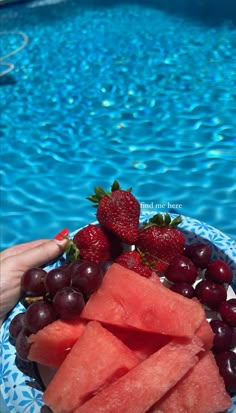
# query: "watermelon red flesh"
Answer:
x=96 y=359
x=51 y=345
x=202 y=390
x=128 y=300
x=146 y=383
x=142 y=343
x=155 y=278
x=205 y=333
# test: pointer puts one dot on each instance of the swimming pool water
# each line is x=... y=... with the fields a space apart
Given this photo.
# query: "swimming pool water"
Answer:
x=128 y=92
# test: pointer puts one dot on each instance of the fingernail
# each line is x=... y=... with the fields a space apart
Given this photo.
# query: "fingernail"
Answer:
x=62 y=234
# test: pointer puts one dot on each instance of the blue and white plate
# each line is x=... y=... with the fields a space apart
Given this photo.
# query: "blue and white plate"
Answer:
x=20 y=397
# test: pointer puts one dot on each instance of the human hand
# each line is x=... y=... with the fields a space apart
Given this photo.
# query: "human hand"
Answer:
x=16 y=260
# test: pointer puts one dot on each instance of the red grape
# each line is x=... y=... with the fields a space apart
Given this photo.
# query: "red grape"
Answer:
x=16 y=325
x=88 y=277
x=32 y=281
x=45 y=409
x=22 y=345
x=38 y=315
x=223 y=335
x=227 y=311
x=226 y=361
x=57 y=279
x=199 y=253
x=233 y=341
x=25 y=366
x=68 y=303
x=219 y=271
x=211 y=294
x=184 y=289
x=182 y=269
x=73 y=267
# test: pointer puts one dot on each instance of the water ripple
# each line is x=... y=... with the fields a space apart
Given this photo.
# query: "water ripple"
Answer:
x=102 y=94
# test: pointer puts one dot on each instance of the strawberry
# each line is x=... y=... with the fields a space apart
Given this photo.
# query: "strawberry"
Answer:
x=133 y=261
x=118 y=211
x=90 y=243
x=161 y=241
x=116 y=246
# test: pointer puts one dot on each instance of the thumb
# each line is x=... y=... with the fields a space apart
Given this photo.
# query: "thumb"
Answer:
x=40 y=255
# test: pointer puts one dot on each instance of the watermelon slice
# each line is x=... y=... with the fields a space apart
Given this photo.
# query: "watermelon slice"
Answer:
x=205 y=333
x=146 y=383
x=142 y=343
x=202 y=390
x=51 y=345
x=97 y=359
x=128 y=300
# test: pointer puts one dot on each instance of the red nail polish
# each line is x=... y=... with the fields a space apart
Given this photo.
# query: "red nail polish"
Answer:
x=62 y=234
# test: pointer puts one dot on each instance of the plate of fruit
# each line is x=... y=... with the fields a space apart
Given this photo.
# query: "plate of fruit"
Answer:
x=138 y=315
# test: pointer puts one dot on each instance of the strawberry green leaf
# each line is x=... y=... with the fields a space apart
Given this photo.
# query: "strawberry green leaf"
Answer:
x=175 y=222
x=100 y=192
x=167 y=219
x=92 y=198
x=115 y=186
x=163 y=221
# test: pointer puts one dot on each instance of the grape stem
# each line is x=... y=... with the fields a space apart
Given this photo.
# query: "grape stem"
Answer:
x=31 y=300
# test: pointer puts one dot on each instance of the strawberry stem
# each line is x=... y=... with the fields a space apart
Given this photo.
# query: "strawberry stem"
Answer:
x=143 y=256
x=72 y=251
x=156 y=259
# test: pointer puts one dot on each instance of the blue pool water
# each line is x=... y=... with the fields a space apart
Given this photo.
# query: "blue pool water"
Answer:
x=118 y=90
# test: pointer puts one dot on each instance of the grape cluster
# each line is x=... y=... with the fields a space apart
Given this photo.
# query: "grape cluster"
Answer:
x=195 y=274
x=59 y=293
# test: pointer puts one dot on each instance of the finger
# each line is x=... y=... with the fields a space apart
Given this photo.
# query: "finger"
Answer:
x=17 y=249
x=40 y=255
